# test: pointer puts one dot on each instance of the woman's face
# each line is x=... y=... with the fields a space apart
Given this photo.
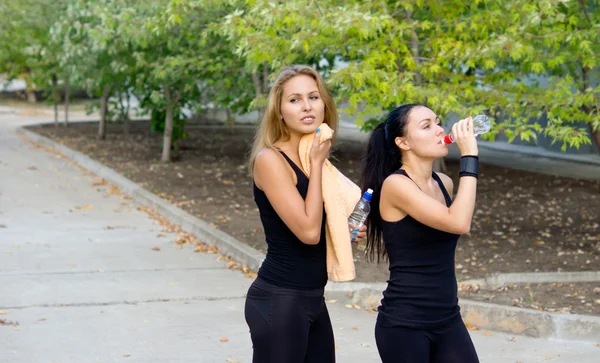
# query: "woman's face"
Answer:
x=424 y=134
x=302 y=108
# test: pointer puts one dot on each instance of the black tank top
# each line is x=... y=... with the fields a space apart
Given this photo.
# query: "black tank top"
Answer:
x=290 y=263
x=422 y=289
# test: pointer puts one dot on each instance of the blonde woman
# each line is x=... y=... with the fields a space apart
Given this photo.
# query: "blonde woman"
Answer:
x=285 y=307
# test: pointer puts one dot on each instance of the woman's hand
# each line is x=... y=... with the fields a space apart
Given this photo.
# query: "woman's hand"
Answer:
x=319 y=151
x=357 y=234
x=462 y=133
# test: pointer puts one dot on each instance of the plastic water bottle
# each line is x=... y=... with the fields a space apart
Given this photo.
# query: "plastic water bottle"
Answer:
x=361 y=210
x=481 y=125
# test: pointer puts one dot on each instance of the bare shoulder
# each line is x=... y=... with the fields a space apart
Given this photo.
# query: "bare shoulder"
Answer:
x=267 y=156
x=448 y=183
x=269 y=165
x=398 y=184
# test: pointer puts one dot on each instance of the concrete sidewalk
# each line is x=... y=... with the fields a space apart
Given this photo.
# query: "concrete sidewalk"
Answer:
x=79 y=274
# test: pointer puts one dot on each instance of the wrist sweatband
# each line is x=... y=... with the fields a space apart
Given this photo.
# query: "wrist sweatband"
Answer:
x=469 y=166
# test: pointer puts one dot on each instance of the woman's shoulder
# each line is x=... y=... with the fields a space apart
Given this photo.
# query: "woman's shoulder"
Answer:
x=269 y=160
x=446 y=180
x=267 y=154
x=398 y=182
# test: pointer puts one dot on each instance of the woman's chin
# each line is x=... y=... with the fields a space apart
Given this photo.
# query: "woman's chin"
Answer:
x=308 y=128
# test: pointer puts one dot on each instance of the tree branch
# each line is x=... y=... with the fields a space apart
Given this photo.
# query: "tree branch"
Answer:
x=318 y=8
x=587 y=16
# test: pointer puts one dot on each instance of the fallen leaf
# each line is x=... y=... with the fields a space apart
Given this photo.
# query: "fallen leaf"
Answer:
x=356 y=306
x=364 y=345
x=331 y=301
x=354 y=328
x=597 y=345
x=114 y=227
x=98 y=182
x=348 y=306
x=224 y=340
x=42 y=319
x=32 y=167
x=251 y=274
x=155 y=248
x=232 y=360
x=100 y=270
x=126 y=355
x=487 y=334
x=470 y=326
x=2 y=312
x=2 y=226
x=8 y=322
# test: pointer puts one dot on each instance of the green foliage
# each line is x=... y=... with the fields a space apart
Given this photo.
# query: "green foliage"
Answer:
x=529 y=64
x=24 y=38
x=515 y=60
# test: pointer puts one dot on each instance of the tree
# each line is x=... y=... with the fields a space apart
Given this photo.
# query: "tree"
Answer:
x=93 y=51
x=23 y=40
x=459 y=57
x=182 y=63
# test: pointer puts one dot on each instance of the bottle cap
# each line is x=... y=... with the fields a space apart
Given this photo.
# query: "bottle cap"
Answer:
x=368 y=194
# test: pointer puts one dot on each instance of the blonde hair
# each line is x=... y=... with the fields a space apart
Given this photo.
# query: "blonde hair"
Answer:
x=271 y=127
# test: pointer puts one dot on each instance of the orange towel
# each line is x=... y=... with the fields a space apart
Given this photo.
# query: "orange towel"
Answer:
x=340 y=195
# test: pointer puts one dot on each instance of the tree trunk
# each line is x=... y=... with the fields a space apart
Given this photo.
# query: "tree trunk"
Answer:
x=67 y=91
x=585 y=76
x=103 y=112
x=595 y=136
x=265 y=78
x=168 y=133
x=29 y=87
x=31 y=97
x=257 y=85
x=55 y=98
x=414 y=48
x=125 y=112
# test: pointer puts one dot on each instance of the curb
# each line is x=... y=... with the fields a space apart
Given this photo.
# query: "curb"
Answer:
x=368 y=295
x=507 y=319
x=501 y=279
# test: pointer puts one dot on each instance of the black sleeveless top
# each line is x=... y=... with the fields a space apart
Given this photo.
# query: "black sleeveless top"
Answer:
x=422 y=289
x=290 y=263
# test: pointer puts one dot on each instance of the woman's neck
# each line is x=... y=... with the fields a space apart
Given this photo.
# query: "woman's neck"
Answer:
x=419 y=170
x=291 y=145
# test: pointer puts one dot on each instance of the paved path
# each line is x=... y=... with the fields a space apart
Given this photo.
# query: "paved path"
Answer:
x=79 y=274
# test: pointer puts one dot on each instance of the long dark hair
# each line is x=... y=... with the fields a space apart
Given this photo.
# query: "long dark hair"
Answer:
x=381 y=159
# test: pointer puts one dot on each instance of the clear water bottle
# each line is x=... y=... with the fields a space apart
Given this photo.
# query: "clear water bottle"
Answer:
x=481 y=125
x=361 y=210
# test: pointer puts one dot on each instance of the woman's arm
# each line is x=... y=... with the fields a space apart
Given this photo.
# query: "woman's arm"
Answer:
x=404 y=195
x=302 y=217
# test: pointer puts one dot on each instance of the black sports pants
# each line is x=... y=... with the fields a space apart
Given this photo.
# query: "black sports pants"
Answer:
x=448 y=344
x=288 y=325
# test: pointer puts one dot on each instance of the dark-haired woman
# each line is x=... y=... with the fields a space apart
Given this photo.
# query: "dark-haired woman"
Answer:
x=416 y=224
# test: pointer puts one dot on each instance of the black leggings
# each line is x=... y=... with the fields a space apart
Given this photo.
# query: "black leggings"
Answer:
x=448 y=344
x=288 y=325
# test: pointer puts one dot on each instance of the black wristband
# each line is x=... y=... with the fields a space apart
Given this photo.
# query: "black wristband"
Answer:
x=469 y=166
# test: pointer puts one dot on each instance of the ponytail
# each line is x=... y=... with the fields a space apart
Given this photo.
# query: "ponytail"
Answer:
x=381 y=159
